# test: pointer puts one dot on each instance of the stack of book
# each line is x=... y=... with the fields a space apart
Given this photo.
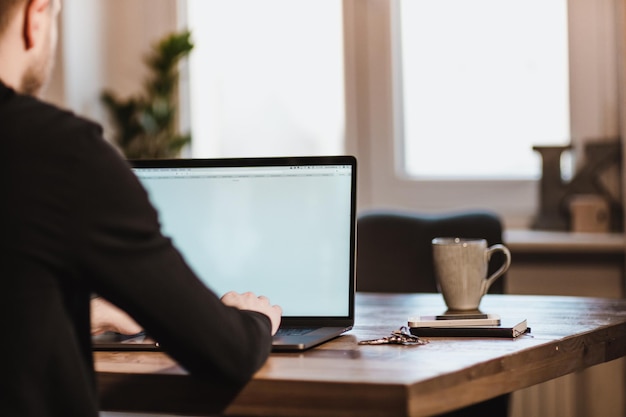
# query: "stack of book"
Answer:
x=467 y=325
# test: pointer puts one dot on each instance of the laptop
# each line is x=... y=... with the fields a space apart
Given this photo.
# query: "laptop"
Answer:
x=282 y=227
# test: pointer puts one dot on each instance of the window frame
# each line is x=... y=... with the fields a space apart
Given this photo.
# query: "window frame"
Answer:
x=374 y=124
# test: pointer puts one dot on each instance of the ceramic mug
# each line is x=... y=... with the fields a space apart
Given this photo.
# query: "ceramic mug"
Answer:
x=461 y=270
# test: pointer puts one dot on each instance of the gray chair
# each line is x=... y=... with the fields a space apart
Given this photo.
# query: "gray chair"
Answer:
x=394 y=254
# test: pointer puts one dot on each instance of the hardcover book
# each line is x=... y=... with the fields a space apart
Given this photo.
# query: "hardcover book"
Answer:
x=449 y=320
x=506 y=329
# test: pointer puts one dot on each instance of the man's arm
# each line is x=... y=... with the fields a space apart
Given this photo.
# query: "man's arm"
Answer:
x=129 y=262
x=105 y=317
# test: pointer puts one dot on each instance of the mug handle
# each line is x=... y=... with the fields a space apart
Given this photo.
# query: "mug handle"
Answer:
x=505 y=266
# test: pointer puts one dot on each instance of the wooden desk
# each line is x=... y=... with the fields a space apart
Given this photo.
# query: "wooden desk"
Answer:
x=341 y=378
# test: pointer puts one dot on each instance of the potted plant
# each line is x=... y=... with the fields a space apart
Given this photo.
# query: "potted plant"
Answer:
x=146 y=123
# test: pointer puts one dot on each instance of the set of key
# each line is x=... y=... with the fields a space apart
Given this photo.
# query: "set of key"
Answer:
x=402 y=336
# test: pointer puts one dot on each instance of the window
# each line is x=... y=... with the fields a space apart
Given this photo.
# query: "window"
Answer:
x=376 y=115
x=482 y=82
x=266 y=77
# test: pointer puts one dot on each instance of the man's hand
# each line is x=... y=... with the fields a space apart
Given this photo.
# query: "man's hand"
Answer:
x=261 y=304
x=105 y=317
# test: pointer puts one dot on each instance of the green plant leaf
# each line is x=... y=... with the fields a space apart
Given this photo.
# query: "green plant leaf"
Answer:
x=146 y=123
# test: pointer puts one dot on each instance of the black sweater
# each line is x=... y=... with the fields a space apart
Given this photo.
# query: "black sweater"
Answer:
x=75 y=220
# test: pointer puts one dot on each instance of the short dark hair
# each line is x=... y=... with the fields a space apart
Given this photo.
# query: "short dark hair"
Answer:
x=7 y=8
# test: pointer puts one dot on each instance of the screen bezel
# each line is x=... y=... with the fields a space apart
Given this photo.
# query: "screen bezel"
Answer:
x=338 y=321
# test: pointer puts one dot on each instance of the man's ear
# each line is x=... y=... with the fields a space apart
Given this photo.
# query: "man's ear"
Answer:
x=37 y=11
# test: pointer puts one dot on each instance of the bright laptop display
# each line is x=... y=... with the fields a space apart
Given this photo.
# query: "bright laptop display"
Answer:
x=280 y=227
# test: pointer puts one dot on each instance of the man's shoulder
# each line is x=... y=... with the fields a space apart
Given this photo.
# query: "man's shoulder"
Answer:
x=31 y=117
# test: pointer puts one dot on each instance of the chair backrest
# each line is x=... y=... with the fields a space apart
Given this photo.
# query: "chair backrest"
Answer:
x=394 y=252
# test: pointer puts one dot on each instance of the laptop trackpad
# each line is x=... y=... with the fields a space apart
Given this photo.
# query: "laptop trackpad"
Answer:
x=299 y=339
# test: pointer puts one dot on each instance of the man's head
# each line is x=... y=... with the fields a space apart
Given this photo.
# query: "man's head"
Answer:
x=28 y=36
x=7 y=8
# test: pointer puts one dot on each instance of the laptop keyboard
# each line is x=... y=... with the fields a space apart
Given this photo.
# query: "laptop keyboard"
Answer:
x=295 y=331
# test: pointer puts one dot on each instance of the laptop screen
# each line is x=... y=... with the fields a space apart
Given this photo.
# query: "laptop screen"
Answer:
x=280 y=227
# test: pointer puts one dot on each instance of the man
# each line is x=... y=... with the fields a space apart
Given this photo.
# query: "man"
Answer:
x=75 y=221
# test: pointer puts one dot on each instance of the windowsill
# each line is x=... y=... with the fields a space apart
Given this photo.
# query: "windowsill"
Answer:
x=542 y=241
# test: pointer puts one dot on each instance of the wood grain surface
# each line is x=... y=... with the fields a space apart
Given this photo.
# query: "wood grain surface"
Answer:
x=342 y=378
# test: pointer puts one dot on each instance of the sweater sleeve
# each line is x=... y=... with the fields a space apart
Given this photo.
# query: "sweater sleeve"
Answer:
x=124 y=257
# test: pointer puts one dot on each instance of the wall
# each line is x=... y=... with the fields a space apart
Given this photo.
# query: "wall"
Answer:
x=102 y=46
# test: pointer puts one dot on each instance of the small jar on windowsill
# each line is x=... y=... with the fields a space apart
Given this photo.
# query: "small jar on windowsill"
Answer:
x=589 y=213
